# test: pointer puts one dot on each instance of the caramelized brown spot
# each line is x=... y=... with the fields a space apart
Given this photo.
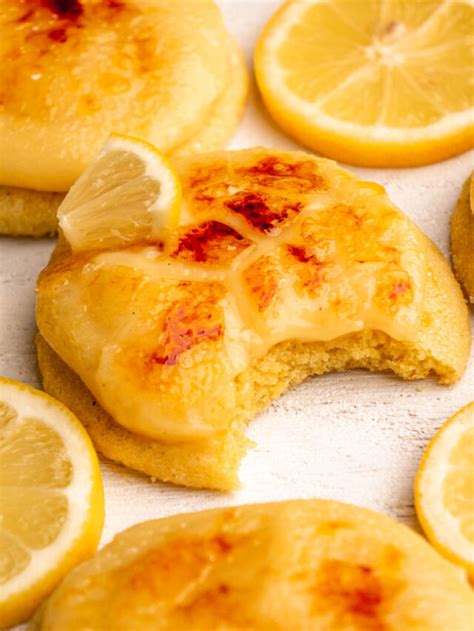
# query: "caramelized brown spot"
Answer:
x=70 y=9
x=398 y=288
x=114 y=4
x=276 y=172
x=203 y=196
x=262 y=279
x=58 y=35
x=301 y=254
x=187 y=323
x=176 y=562
x=223 y=544
x=210 y=242
x=220 y=603
x=185 y=574
x=330 y=527
x=354 y=592
x=271 y=165
x=67 y=14
x=394 y=288
x=33 y=50
x=268 y=194
x=257 y=211
x=346 y=237
x=74 y=8
x=201 y=175
x=308 y=268
x=26 y=16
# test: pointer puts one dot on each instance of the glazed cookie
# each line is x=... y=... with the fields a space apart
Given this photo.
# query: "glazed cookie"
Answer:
x=283 y=266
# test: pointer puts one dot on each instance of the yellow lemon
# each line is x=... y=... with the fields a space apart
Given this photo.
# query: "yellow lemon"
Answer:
x=51 y=498
x=444 y=489
x=129 y=193
x=371 y=83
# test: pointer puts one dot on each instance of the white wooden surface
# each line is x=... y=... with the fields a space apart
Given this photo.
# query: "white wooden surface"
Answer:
x=355 y=437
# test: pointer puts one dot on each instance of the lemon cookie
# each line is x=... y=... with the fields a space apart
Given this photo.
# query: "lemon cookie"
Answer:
x=282 y=266
x=75 y=71
x=462 y=239
x=27 y=212
x=303 y=564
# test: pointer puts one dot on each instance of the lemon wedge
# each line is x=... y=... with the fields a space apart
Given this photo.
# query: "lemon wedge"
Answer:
x=51 y=498
x=129 y=193
x=380 y=83
x=444 y=489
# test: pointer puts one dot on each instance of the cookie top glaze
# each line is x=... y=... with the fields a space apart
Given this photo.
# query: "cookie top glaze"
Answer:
x=271 y=246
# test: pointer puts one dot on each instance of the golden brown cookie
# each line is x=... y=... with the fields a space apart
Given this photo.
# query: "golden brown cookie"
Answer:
x=283 y=266
x=24 y=212
x=78 y=70
x=462 y=239
x=299 y=565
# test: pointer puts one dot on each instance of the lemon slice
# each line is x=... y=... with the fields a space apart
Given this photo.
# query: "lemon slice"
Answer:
x=129 y=193
x=51 y=498
x=444 y=489
x=379 y=83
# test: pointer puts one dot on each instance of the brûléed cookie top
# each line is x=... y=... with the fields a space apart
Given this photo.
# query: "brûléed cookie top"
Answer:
x=272 y=248
x=75 y=70
x=299 y=565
